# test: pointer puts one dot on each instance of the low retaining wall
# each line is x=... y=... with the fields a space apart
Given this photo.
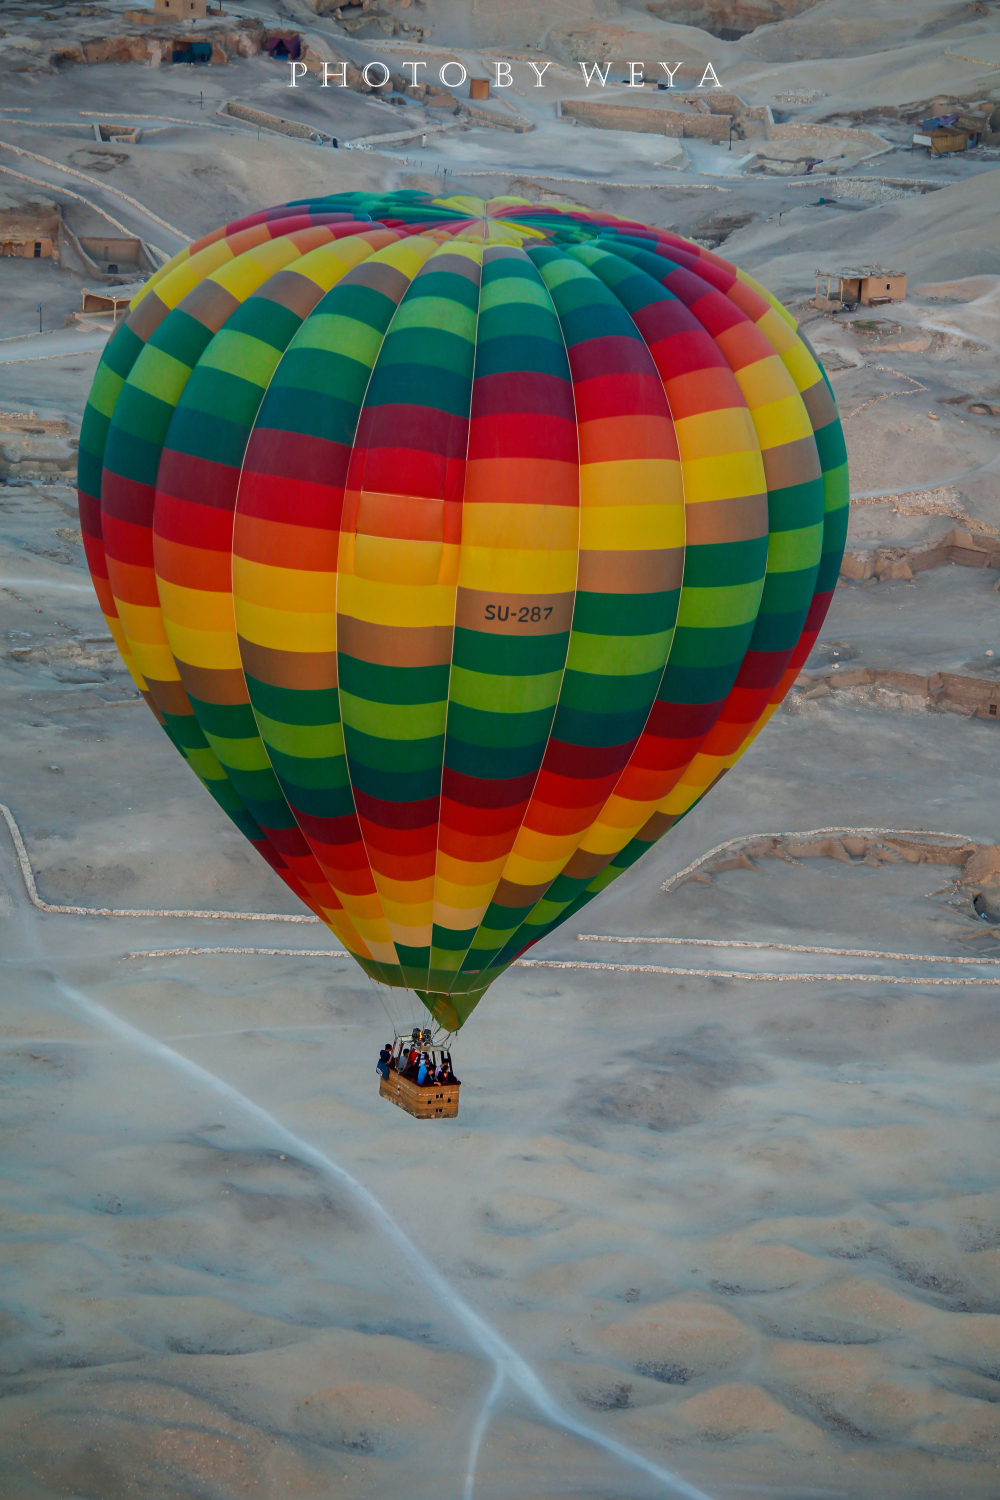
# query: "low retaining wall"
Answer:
x=497 y=122
x=976 y=697
x=673 y=122
x=397 y=137
x=274 y=123
x=841 y=133
x=962 y=547
x=36 y=450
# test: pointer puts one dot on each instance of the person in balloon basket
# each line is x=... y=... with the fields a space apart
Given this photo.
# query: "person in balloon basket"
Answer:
x=425 y=1072
x=382 y=1066
x=447 y=1071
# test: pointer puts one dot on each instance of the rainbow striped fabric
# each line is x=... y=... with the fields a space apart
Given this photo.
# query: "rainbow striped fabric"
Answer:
x=459 y=548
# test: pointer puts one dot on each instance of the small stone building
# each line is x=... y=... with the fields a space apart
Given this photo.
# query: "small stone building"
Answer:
x=29 y=229
x=869 y=286
x=181 y=10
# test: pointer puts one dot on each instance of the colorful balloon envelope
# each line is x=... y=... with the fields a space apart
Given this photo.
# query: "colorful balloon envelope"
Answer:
x=459 y=548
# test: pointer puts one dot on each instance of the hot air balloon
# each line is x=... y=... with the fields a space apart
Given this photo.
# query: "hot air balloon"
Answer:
x=460 y=548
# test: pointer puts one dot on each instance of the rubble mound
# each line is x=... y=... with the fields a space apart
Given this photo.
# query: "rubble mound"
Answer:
x=842 y=29
x=728 y=19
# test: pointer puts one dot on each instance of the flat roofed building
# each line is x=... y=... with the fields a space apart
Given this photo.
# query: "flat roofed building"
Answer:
x=111 y=299
x=868 y=286
x=30 y=230
x=27 y=246
x=183 y=10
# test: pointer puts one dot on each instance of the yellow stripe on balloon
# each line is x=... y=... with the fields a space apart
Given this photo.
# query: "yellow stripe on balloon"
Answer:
x=635 y=481
x=405 y=605
x=516 y=571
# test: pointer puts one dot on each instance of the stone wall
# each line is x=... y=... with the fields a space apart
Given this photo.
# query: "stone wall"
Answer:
x=970 y=551
x=828 y=133
x=976 y=697
x=497 y=121
x=273 y=123
x=673 y=122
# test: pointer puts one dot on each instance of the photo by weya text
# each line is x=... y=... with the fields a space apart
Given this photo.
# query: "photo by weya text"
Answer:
x=453 y=74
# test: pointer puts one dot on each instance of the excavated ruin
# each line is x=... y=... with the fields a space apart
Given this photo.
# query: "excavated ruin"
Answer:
x=974 y=890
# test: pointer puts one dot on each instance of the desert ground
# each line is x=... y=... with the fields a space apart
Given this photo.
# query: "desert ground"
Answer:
x=714 y=1220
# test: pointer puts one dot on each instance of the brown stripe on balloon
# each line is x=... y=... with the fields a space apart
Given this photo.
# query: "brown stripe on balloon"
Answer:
x=380 y=278
x=473 y=605
x=791 y=463
x=803 y=339
x=661 y=823
x=626 y=572
x=502 y=252
x=171 y=698
x=584 y=865
x=819 y=404
x=145 y=319
x=213 y=684
x=454 y=265
x=147 y=698
x=508 y=894
x=292 y=290
x=741 y=518
x=307 y=671
x=394 y=645
x=210 y=304
x=657 y=825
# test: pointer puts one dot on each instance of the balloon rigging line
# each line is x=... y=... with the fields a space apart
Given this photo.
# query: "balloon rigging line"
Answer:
x=508 y=1364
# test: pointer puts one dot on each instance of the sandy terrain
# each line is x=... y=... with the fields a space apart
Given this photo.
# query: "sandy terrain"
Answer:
x=738 y=1234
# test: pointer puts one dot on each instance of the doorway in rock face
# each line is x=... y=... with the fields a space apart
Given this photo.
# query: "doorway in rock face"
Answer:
x=284 y=47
